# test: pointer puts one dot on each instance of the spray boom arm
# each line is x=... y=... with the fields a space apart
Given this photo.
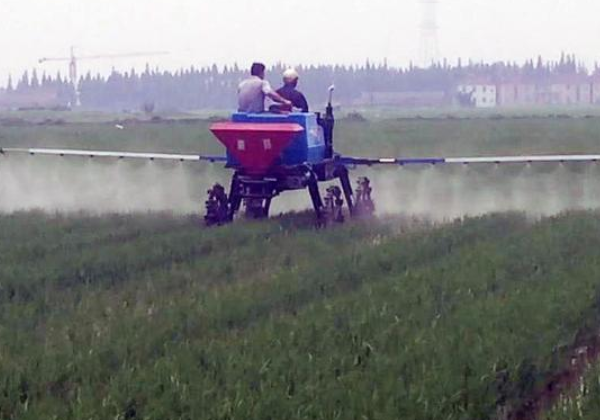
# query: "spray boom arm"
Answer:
x=356 y=161
x=112 y=154
x=470 y=160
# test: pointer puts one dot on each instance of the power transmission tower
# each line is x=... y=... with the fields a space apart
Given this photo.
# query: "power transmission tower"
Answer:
x=429 y=49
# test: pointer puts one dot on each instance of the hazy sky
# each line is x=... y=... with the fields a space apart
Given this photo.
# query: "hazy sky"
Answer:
x=199 y=32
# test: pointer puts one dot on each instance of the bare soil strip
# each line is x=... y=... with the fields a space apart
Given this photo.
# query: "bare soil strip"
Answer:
x=579 y=357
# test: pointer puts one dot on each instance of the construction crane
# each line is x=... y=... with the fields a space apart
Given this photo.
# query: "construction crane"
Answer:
x=73 y=59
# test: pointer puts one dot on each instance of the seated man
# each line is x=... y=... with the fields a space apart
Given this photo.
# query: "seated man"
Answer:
x=289 y=91
x=252 y=92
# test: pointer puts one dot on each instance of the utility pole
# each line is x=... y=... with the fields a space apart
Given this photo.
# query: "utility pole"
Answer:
x=429 y=48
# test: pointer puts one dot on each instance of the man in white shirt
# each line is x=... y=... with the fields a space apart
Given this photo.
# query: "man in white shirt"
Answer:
x=252 y=91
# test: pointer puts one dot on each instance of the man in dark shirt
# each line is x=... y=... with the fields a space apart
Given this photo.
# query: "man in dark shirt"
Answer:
x=289 y=91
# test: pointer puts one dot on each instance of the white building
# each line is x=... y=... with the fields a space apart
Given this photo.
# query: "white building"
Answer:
x=483 y=94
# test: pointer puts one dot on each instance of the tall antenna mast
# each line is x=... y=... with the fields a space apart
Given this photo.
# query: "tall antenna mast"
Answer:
x=429 y=50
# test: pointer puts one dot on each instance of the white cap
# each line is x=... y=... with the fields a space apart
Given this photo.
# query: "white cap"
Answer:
x=290 y=75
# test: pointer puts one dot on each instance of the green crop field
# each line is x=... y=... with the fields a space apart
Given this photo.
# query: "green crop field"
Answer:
x=152 y=317
x=396 y=133
x=148 y=315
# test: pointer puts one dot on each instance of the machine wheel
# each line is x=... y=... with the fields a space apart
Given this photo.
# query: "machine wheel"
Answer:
x=256 y=208
x=333 y=205
x=217 y=207
x=363 y=204
x=257 y=200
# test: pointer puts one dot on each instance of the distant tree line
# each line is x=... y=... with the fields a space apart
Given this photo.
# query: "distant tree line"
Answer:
x=215 y=88
x=31 y=84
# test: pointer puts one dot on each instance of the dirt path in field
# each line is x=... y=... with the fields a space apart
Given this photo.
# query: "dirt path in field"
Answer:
x=579 y=357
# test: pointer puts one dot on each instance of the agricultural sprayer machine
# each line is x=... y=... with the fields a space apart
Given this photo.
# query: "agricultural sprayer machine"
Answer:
x=271 y=153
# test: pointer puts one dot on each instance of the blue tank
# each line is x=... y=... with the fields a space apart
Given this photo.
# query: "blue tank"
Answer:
x=306 y=147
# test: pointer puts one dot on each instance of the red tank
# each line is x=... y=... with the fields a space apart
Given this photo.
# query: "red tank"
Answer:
x=255 y=146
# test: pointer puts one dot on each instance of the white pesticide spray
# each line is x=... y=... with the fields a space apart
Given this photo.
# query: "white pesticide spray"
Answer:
x=447 y=192
x=441 y=192
x=98 y=186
